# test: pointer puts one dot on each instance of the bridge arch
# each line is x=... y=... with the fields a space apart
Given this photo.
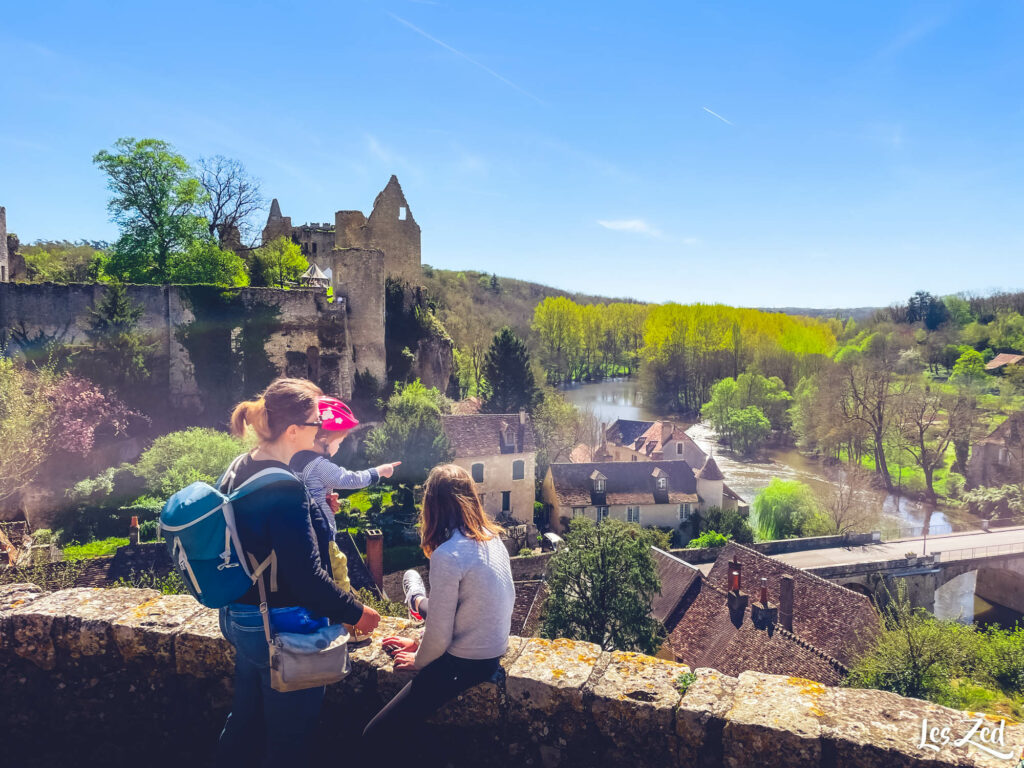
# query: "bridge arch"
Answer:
x=1001 y=586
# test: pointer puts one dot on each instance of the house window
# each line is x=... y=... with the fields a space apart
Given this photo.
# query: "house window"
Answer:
x=478 y=473
x=602 y=513
x=577 y=512
x=401 y=213
x=632 y=458
x=314 y=247
x=679 y=449
x=684 y=512
x=599 y=485
x=662 y=483
x=518 y=470
x=506 y=501
x=632 y=514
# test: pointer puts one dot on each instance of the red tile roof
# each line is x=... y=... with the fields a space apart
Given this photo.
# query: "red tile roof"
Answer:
x=832 y=625
x=710 y=470
x=676 y=576
x=482 y=434
x=1003 y=359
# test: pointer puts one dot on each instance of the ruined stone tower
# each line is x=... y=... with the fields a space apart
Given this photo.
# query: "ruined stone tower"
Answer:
x=360 y=254
x=5 y=266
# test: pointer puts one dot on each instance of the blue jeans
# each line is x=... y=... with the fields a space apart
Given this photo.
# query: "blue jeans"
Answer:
x=265 y=727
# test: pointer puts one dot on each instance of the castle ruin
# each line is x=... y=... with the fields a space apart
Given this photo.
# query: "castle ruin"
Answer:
x=360 y=253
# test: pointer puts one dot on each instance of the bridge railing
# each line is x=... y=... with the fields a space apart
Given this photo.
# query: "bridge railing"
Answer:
x=970 y=553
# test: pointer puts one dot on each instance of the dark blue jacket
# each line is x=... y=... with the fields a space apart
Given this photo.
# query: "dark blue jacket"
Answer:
x=281 y=517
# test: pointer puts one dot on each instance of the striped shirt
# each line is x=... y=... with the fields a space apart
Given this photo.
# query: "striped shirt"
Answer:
x=322 y=476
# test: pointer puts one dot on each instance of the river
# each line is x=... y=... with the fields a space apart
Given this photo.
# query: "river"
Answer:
x=623 y=399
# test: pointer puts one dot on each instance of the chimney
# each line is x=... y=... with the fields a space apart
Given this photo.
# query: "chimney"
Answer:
x=764 y=591
x=133 y=531
x=786 y=602
x=375 y=557
x=735 y=576
x=522 y=417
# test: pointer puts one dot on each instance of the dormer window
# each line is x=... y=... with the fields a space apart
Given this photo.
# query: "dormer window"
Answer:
x=599 y=485
x=599 y=481
x=662 y=483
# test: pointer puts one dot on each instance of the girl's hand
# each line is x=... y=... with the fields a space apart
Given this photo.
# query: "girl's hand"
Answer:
x=395 y=644
x=405 y=660
x=387 y=470
x=333 y=503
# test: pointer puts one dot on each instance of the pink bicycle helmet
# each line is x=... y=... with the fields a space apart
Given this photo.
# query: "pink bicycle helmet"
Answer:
x=335 y=416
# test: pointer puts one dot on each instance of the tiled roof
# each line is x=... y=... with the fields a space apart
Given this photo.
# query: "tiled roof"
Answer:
x=710 y=470
x=676 y=576
x=708 y=635
x=729 y=493
x=836 y=621
x=526 y=613
x=481 y=434
x=1003 y=359
x=625 y=431
x=467 y=406
x=629 y=482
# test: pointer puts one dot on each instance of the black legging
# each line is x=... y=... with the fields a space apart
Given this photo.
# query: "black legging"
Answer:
x=397 y=735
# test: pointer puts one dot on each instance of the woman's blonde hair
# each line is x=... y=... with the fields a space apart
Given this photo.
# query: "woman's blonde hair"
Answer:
x=450 y=503
x=285 y=402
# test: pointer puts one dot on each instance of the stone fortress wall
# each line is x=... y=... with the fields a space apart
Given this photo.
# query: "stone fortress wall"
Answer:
x=198 y=330
x=135 y=676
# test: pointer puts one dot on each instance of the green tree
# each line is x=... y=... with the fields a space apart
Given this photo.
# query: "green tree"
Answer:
x=120 y=352
x=748 y=428
x=969 y=369
x=729 y=522
x=509 y=375
x=783 y=510
x=411 y=432
x=61 y=261
x=279 y=262
x=155 y=202
x=178 y=459
x=26 y=425
x=206 y=262
x=601 y=585
x=709 y=538
x=560 y=426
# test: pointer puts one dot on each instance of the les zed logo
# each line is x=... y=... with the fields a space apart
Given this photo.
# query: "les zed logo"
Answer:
x=984 y=738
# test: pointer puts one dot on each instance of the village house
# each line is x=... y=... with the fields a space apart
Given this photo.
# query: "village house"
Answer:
x=500 y=452
x=998 y=459
x=664 y=494
x=1003 y=361
x=627 y=440
x=753 y=612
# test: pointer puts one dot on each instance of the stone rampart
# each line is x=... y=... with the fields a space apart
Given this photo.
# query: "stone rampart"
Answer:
x=212 y=346
x=136 y=678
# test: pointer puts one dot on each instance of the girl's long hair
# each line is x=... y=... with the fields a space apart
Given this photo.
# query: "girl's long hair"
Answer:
x=285 y=402
x=450 y=503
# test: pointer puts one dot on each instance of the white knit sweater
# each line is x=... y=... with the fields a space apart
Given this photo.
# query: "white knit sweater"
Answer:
x=471 y=600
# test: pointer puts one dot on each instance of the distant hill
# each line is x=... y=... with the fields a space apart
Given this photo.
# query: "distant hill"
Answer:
x=859 y=314
x=474 y=305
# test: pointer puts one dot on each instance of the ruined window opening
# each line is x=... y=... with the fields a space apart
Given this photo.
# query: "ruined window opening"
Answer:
x=478 y=473
x=314 y=247
x=401 y=213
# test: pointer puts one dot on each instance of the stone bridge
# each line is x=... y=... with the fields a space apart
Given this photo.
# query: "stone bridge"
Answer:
x=125 y=677
x=944 y=583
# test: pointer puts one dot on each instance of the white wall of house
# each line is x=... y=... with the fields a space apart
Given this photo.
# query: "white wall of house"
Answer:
x=711 y=493
x=498 y=479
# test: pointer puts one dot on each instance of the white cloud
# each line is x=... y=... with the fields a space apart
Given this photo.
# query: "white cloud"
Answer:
x=638 y=226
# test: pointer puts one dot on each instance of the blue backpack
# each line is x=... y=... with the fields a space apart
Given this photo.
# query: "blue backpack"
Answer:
x=198 y=523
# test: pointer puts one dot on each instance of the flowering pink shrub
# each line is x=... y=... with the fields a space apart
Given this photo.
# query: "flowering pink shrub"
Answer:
x=80 y=410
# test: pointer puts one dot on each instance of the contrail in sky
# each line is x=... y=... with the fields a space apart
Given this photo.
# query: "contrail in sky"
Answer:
x=460 y=54
x=716 y=115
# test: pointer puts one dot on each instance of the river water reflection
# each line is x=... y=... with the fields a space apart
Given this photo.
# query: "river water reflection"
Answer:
x=623 y=399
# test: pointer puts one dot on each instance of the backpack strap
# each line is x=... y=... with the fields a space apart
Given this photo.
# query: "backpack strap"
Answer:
x=230 y=472
x=258 y=568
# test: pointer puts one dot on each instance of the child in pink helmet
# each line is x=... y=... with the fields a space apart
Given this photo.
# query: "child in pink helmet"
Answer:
x=322 y=476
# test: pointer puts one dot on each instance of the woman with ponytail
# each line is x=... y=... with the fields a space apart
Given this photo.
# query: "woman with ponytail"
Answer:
x=267 y=727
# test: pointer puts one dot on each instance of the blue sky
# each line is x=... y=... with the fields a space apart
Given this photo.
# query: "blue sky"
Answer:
x=761 y=154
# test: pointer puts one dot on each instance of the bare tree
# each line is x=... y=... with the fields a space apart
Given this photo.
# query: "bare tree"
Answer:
x=849 y=506
x=927 y=421
x=234 y=196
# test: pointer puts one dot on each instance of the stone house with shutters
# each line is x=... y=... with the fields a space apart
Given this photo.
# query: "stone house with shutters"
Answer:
x=500 y=451
x=663 y=494
x=998 y=459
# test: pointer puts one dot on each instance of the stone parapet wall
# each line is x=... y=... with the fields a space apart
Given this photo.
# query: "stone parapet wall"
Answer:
x=697 y=555
x=136 y=676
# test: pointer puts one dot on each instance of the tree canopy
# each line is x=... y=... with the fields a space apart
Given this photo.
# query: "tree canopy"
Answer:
x=411 y=432
x=509 y=376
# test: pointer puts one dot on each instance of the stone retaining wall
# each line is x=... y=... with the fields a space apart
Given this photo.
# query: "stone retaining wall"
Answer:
x=697 y=555
x=130 y=677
